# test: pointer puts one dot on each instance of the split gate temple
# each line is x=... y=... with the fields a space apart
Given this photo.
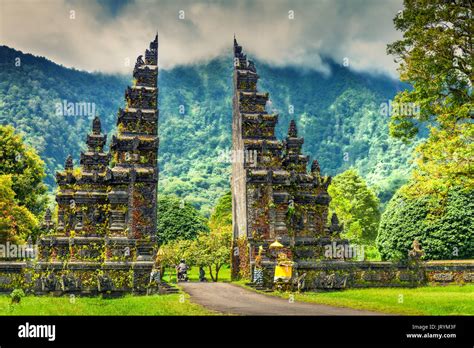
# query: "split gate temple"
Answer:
x=104 y=239
x=273 y=194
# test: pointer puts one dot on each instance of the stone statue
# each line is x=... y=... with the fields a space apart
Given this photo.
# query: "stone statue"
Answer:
x=140 y=61
x=416 y=253
x=155 y=276
x=315 y=168
x=335 y=225
x=300 y=282
x=47 y=223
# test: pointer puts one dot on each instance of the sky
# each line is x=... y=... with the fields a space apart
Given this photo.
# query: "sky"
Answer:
x=108 y=35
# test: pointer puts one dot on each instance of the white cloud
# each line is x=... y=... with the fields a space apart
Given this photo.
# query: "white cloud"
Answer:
x=98 y=40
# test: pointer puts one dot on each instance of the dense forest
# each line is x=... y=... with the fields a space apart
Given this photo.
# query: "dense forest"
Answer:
x=339 y=115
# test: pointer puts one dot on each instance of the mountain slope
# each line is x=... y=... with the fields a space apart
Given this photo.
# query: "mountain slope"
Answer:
x=339 y=116
x=29 y=94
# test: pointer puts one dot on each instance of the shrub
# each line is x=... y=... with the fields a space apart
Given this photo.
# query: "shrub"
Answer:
x=444 y=233
x=16 y=295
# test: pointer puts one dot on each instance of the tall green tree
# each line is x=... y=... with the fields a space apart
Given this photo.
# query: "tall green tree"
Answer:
x=436 y=58
x=26 y=169
x=17 y=223
x=178 y=219
x=222 y=213
x=356 y=206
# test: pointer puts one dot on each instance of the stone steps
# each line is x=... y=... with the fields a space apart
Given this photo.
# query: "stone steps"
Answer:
x=258 y=287
x=167 y=289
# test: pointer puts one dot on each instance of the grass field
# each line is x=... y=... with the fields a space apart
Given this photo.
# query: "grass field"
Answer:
x=193 y=274
x=173 y=304
x=440 y=300
x=435 y=300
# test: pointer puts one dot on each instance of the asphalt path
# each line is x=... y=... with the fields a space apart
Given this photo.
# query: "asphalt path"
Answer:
x=232 y=299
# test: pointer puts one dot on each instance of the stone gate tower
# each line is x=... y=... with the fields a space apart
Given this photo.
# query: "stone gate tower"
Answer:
x=134 y=176
x=105 y=236
x=274 y=197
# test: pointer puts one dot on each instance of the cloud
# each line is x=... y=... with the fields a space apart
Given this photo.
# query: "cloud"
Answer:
x=105 y=36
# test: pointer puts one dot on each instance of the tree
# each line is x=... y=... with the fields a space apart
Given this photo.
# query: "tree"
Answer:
x=16 y=222
x=222 y=213
x=448 y=234
x=212 y=250
x=356 y=206
x=26 y=170
x=436 y=56
x=175 y=251
x=178 y=219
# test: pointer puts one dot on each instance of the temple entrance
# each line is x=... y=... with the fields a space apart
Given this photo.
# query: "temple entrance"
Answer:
x=275 y=198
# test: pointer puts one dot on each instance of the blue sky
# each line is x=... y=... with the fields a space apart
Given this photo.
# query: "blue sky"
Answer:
x=107 y=35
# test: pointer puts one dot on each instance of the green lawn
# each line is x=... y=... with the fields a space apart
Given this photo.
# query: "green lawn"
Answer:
x=435 y=300
x=173 y=304
x=193 y=274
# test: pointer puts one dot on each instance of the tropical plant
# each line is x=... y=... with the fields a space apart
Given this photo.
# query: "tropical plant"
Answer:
x=443 y=234
x=356 y=206
x=17 y=223
x=178 y=219
x=26 y=170
x=436 y=57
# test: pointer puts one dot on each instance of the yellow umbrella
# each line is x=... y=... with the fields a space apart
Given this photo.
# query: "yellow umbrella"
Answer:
x=276 y=245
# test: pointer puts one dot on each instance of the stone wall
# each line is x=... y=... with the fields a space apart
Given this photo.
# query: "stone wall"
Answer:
x=238 y=187
x=90 y=278
x=14 y=274
x=362 y=274
x=445 y=272
x=85 y=278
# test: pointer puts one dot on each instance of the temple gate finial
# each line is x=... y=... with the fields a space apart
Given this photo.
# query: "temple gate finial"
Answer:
x=69 y=165
x=315 y=167
x=292 y=130
x=96 y=126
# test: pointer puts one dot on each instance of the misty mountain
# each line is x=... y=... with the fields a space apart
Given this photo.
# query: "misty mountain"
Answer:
x=339 y=115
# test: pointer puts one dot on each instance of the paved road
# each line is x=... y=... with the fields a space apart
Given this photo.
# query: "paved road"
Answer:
x=232 y=299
